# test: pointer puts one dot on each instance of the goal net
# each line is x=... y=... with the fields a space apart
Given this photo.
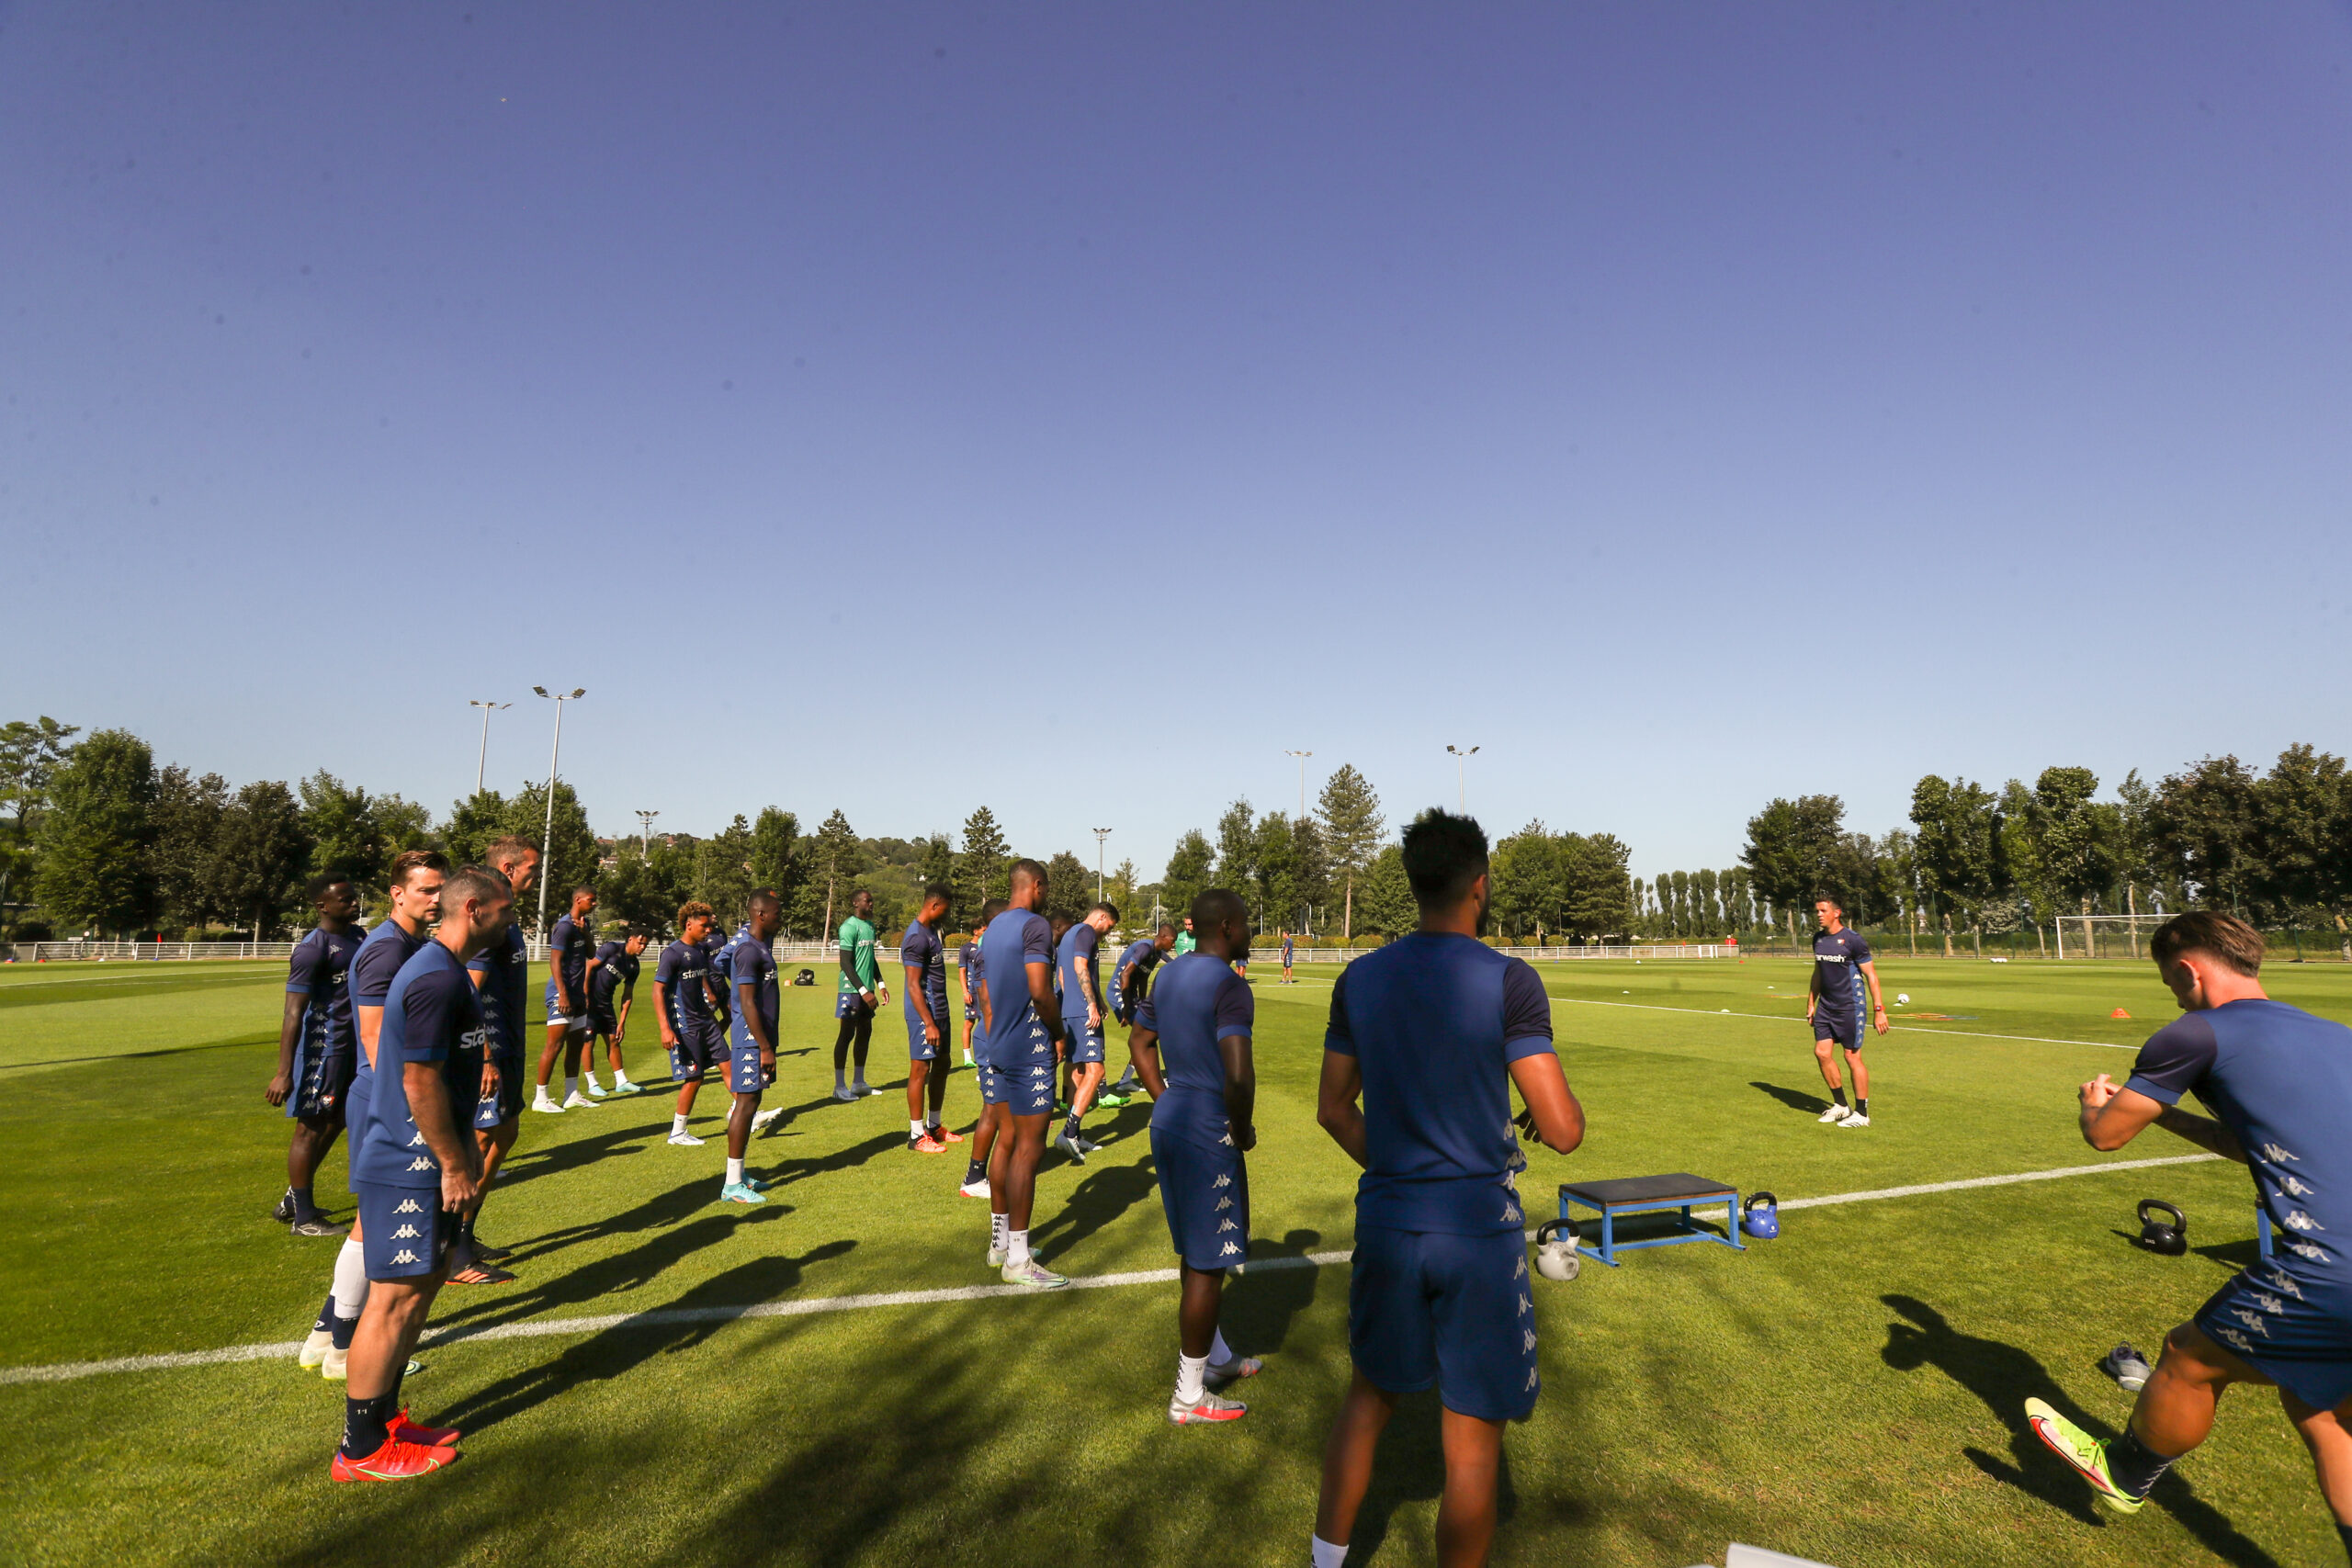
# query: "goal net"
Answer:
x=2106 y=936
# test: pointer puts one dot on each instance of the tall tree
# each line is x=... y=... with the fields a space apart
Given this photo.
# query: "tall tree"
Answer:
x=356 y=835
x=1236 y=850
x=645 y=885
x=1187 y=876
x=473 y=825
x=836 y=858
x=1352 y=827
x=723 y=872
x=2075 y=838
x=1276 y=886
x=1789 y=848
x=1956 y=825
x=983 y=868
x=2204 y=825
x=1069 y=886
x=568 y=856
x=1525 y=883
x=1595 y=893
x=777 y=854
x=261 y=856
x=186 y=817
x=95 y=835
x=939 y=865
x=1387 y=904
x=2302 y=810
x=1706 y=903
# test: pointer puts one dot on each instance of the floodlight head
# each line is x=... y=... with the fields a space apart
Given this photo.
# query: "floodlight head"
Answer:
x=583 y=691
x=541 y=689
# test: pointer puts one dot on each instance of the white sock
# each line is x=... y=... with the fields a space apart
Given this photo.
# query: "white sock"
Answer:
x=914 y=1129
x=1190 y=1370
x=734 y=1173
x=678 y=1125
x=350 y=1279
x=1219 y=1351
x=590 y=1078
x=571 y=1088
x=996 y=1231
x=543 y=1094
x=619 y=1078
x=1016 y=1247
x=1327 y=1555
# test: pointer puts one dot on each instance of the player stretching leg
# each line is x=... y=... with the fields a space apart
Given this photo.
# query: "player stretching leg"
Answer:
x=501 y=974
x=1130 y=980
x=570 y=955
x=415 y=1171
x=1201 y=1015
x=752 y=971
x=860 y=990
x=415 y=891
x=968 y=970
x=1432 y=1032
x=1083 y=1011
x=2282 y=1083
x=612 y=987
x=1017 y=1071
x=928 y=1023
x=687 y=1007
x=1833 y=1006
x=316 y=1052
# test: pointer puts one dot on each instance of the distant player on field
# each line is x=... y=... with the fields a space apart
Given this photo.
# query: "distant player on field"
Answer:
x=1432 y=1032
x=1084 y=1015
x=1841 y=967
x=928 y=1024
x=612 y=987
x=1130 y=980
x=968 y=970
x=571 y=953
x=689 y=1010
x=502 y=976
x=750 y=972
x=2279 y=1081
x=1288 y=947
x=860 y=991
x=1197 y=1022
x=1185 y=942
x=984 y=1131
x=1017 y=1070
x=317 y=1051
x=416 y=1172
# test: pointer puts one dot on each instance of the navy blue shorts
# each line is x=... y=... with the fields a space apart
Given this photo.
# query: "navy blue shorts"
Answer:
x=1023 y=1091
x=322 y=1081
x=744 y=1074
x=356 y=1098
x=921 y=1050
x=602 y=1020
x=701 y=1045
x=1425 y=1307
x=1843 y=1025
x=849 y=1004
x=1204 y=1190
x=510 y=1084
x=2266 y=1316
x=1084 y=1047
x=402 y=1231
x=488 y=1111
x=575 y=1022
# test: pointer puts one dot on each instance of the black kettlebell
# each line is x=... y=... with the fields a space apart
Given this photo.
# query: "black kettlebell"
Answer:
x=2164 y=1240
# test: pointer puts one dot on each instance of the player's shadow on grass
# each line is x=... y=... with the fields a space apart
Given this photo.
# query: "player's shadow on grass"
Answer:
x=1411 y=1467
x=1794 y=1098
x=784 y=1172
x=1276 y=1287
x=615 y=1352
x=1093 y=1203
x=782 y=1126
x=528 y=1163
x=2005 y=1377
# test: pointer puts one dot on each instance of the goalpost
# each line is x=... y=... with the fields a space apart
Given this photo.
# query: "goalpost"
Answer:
x=2106 y=936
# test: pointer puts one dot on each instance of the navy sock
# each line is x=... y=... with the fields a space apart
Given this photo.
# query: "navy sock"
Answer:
x=1069 y=1127
x=2134 y=1465
x=972 y=1172
x=326 y=1317
x=304 y=1209
x=466 y=1230
x=341 y=1328
x=365 y=1424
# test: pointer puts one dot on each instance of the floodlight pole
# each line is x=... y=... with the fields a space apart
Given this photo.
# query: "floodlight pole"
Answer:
x=547 y=835
x=1099 y=834
x=1302 y=757
x=482 y=761
x=1461 y=785
x=645 y=830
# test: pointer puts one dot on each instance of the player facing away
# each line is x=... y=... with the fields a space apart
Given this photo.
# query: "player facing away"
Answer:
x=415 y=892
x=1130 y=980
x=968 y=970
x=689 y=1010
x=1017 y=1071
x=860 y=991
x=502 y=976
x=1083 y=1013
x=2280 y=1082
x=1289 y=948
x=1841 y=967
x=1191 y=1042
x=751 y=971
x=928 y=1024
x=416 y=1172
x=1432 y=1033
x=317 y=1051
x=984 y=1131
x=571 y=953
x=612 y=987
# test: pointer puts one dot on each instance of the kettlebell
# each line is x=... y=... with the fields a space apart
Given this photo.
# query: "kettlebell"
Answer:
x=1557 y=1257
x=1760 y=1216
x=2165 y=1240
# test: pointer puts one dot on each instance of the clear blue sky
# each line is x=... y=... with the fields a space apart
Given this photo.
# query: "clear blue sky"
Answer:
x=1687 y=404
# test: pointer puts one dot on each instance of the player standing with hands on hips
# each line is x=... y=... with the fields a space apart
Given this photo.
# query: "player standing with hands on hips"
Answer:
x=861 y=991
x=1432 y=1033
x=1841 y=967
x=2279 y=1081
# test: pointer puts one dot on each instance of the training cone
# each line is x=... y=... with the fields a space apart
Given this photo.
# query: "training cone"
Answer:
x=2119 y=1012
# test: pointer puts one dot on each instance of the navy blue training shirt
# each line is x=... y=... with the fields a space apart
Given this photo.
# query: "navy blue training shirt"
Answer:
x=1837 y=966
x=684 y=967
x=387 y=948
x=1081 y=941
x=319 y=972
x=430 y=1016
x=1198 y=1002
x=750 y=963
x=2281 y=1081
x=1434 y=1021
x=967 y=959
x=569 y=946
x=616 y=969
x=1017 y=938
x=506 y=971
x=920 y=948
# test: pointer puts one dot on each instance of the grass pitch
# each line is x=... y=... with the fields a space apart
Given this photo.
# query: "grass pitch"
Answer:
x=1849 y=1393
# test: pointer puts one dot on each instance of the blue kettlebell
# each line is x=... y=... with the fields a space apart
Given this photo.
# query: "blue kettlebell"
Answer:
x=1760 y=1216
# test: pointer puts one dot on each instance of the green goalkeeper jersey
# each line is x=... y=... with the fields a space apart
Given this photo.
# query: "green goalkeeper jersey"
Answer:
x=1185 y=944
x=858 y=941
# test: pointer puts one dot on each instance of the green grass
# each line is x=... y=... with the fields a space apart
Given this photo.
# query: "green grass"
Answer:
x=1849 y=1393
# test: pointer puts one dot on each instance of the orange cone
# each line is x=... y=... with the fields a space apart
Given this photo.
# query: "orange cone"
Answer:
x=2119 y=1012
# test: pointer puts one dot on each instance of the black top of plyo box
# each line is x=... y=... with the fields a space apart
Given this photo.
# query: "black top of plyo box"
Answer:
x=1646 y=1190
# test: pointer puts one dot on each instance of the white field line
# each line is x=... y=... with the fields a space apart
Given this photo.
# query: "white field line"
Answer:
x=1784 y=1018
x=662 y=1317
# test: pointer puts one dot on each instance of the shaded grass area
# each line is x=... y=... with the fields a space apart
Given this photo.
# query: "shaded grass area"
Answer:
x=1849 y=1393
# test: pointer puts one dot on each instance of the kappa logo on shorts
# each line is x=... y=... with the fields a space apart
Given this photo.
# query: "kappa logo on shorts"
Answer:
x=405 y=1256
x=1523 y=1267
x=1525 y=1306
x=1230 y=1251
x=1223 y=1204
x=1222 y=1181
x=2252 y=1320
x=1527 y=1339
x=2303 y=1221
x=1228 y=1141
x=2268 y=1303
x=2273 y=1152
x=407 y=1232
x=2240 y=1340
x=2305 y=1249
x=420 y=1163
x=409 y=1206
x=417 y=1142
x=1511 y=1214
x=1226 y=1226
x=1530 y=1379
x=2297 y=1189
x=2282 y=1280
